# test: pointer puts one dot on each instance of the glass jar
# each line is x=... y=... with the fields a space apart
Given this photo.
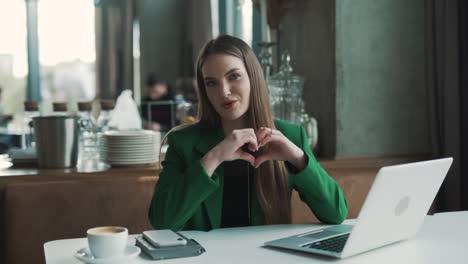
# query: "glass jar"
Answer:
x=88 y=148
x=31 y=110
x=60 y=108
x=105 y=115
x=285 y=89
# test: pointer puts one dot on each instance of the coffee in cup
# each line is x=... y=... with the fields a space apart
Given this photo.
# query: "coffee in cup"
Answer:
x=107 y=241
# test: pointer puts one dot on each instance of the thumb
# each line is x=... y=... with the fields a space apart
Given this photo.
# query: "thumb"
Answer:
x=247 y=157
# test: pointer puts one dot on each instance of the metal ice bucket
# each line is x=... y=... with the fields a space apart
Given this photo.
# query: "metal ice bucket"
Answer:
x=56 y=141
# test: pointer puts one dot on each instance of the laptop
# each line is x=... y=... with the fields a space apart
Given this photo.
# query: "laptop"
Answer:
x=394 y=210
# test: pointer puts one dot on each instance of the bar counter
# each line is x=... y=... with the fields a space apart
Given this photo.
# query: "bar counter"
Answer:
x=38 y=205
x=23 y=174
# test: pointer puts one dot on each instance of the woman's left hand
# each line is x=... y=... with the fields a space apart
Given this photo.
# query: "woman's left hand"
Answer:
x=278 y=147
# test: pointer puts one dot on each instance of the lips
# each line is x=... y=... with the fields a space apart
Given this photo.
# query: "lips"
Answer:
x=229 y=104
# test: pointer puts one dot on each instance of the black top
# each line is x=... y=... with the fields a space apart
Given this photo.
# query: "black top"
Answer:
x=238 y=179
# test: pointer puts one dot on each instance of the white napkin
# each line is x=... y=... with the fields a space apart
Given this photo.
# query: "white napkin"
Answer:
x=125 y=114
x=5 y=162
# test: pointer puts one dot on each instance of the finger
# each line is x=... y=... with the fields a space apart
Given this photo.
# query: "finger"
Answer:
x=253 y=143
x=242 y=137
x=274 y=136
x=262 y=133
x=253 y=147
x=241 y=134
x=247 y=131
x=247 y=157
x=250 y=144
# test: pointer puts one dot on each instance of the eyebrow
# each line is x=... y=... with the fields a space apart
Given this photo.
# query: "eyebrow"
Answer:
x=227 y=73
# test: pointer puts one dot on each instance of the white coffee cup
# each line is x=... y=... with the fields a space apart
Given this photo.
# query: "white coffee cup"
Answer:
x=107 y=241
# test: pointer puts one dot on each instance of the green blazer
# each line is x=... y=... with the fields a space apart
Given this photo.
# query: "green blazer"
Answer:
x=185 y=197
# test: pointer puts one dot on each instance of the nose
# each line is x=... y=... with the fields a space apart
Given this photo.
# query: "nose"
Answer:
x=225 y=89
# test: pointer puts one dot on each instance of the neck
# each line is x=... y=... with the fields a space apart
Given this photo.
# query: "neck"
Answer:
x=230 y=125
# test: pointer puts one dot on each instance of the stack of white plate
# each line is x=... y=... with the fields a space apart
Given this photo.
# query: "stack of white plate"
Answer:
x=130 y=147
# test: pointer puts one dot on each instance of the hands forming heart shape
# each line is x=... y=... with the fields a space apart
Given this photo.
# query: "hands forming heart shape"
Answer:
x=262 y=145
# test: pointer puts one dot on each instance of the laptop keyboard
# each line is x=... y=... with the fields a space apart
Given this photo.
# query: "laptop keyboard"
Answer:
x=333 y=244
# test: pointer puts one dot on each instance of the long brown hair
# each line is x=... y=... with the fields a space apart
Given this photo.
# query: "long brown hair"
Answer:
x=271 y=177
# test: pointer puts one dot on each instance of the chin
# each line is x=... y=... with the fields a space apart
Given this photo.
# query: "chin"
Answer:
x=232 y=114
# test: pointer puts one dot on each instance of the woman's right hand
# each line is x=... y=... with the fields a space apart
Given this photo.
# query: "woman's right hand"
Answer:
x=231 y=149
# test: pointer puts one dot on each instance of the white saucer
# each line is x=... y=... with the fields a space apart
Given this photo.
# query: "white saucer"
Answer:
x=85 y=255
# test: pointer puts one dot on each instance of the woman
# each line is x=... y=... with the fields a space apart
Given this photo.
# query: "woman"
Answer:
x=237 y=166
x=157 y=116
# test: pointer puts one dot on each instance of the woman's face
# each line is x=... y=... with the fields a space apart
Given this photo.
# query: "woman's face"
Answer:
x=227 y=85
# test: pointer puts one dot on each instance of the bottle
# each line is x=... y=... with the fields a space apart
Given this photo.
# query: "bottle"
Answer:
x=310 y=125
x=60 y=108
x=182 y=108
x=31 y=109
x=107 y=107
x=88 y=152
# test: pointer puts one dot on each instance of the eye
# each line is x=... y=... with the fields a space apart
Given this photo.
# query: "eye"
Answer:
x=210 y=83
x=234 y=76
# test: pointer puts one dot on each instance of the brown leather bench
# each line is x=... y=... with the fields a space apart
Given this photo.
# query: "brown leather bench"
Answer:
x=355 y=184
x=35 y=213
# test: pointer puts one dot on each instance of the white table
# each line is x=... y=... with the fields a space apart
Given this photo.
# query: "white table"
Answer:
x=442 y=239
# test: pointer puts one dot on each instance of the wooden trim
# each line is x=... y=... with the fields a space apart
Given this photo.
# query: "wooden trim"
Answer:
x=368 y=162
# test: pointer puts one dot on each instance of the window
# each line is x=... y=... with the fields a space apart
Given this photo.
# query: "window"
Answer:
x=13 y=55
x=66 y=50
x=240 y=18
x=136 y=62
x=236 y=19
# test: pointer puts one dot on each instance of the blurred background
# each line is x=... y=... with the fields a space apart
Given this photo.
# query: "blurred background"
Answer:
x=382 y=78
